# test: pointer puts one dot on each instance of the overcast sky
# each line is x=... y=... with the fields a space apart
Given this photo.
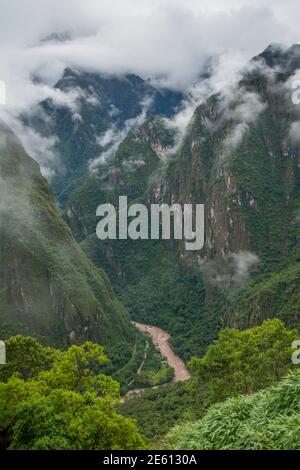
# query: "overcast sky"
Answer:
x=156 y=38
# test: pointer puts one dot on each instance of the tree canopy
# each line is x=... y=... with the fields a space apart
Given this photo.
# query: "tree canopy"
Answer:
x=68 y=405
x=242 y=362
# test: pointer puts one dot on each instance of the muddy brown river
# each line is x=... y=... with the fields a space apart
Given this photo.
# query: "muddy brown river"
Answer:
x=160 y=340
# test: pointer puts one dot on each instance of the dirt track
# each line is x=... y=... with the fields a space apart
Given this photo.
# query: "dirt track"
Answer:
x=160 y=339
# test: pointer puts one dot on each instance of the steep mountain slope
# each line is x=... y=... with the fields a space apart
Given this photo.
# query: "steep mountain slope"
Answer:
x=48 y=287
x=240 y=156
x=267 y=420
x=89 y=115
x=137 y=157
x=149 y=276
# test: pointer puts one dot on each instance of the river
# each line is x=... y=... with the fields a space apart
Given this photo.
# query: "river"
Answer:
x=160 y=340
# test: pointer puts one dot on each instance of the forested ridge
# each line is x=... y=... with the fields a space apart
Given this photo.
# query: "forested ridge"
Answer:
x=79 y=374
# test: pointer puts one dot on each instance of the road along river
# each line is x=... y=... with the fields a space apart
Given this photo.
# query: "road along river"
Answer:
x=160 y=340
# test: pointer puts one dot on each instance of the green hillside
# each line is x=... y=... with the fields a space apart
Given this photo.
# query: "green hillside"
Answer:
x=238 y=158
x=48 y=287
x=267 y=420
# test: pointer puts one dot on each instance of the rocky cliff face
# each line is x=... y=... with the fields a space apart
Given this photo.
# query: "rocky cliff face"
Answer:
x=240 y=157
x=48 y=287
x=242 y=162
x=89 y=115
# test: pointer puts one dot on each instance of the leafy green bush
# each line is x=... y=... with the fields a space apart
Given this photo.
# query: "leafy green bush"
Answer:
x=268 y=420
x=159 y=409
x=243 y=362
x=69 y=405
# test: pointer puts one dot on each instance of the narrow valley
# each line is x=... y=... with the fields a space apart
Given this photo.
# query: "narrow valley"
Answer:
x=161 y=342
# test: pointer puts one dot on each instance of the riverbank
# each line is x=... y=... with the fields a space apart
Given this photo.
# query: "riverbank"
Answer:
x=160 y=340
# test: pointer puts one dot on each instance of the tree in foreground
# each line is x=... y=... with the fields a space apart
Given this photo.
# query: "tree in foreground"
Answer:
x=70 y=405
x=243 y=362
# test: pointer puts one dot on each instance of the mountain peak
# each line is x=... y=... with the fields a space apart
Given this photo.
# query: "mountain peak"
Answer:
x=56 y=37
x=280 y=56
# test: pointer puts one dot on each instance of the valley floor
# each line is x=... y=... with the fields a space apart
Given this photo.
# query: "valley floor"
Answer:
x=160 y=339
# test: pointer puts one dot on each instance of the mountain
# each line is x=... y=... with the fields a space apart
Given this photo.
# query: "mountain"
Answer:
x=284 y=59
x=240 y=157
x=48 y=286
x=149 y=276
x=90 y=116
x=61 y=36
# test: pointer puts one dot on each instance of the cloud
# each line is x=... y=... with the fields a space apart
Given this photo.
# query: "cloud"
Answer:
x=169 y=40
x=130 y=166
x=294 y=133
x=243 y=262
x=40 y=148
x=234 y=271
x=15 y=191
x=249 y=106
x=223 y=74
x=13 y=201
x=113 y=137
x=290 y=92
